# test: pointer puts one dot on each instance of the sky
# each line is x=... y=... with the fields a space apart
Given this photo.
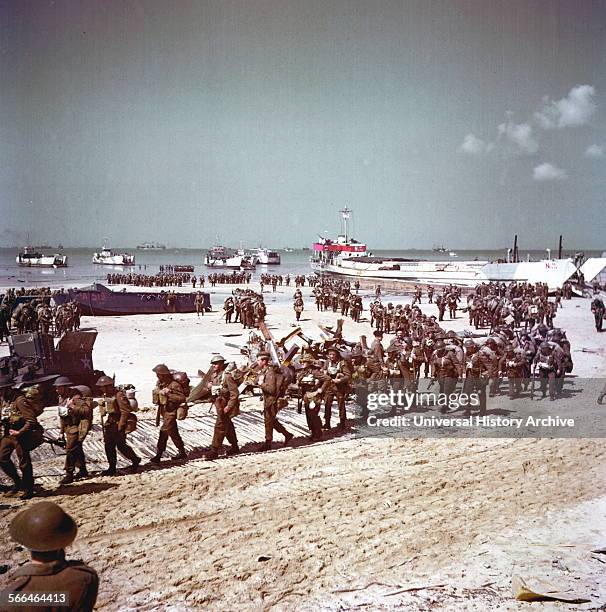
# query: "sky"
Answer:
x=460 y=122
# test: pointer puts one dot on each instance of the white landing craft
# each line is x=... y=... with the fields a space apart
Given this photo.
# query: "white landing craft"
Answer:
x=30 y=257
x=349 y=258
x=107 y=257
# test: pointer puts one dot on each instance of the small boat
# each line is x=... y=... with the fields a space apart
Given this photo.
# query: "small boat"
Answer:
x=440 y=249
x=267 y=257
x=107 y=257
x=151 y=246
x=222 y=257
x=98 y=300
x=288 y=250
x=32 y=257
x=183 y=268
x=452 y=254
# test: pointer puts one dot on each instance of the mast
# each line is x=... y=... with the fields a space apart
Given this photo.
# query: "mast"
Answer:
x=515 y=248
x=560 y=248
x=345 y=216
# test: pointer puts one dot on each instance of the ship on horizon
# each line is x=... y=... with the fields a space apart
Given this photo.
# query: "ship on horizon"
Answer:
x=347 y=257
x=151 y=246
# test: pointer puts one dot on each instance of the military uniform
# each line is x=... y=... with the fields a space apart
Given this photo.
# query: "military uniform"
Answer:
x=46 y=529
x=23 y=418
x=337 y=384
x=267 y=380
x=75 y=426
x=225 y=396
x=117 y=410
x=168 y=395
x=310 y=384
x=445 y=369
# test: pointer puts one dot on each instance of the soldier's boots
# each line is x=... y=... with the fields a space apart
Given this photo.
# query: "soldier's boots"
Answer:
x=134 y=465
x=287 y=438
x=67 y=479
x=156 y=459
x=212 y=454
x=182 y=456
x=110 y=471
x=81 y=473
x=233 y=450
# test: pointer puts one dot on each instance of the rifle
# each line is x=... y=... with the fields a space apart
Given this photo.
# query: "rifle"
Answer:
x=532 y=379
x=271 y=343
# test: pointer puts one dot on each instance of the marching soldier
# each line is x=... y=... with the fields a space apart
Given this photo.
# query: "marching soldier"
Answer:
x=298 y=307
x=63 y=386
x=168 y=395
x=76 y=419
x=430 y=294
x=22 y=433
x=222 y=389
x=337 y=384
x=512 y=365
x=310 y=385
x=476 y=380
x=228 y=307
x=115 y=413
x=268 y=381
x=199 y=303
x=46 y=530
x=598 y=309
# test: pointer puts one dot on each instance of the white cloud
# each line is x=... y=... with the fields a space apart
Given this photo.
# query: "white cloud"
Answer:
x=575 y=109
x=520 y=134
x=548 y=172
x=475 y=146
x=595 y=151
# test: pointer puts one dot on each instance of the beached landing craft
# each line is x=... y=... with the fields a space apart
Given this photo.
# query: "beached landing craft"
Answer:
x=107 y=257
x=221 y=257
x=98 y=300
x=348 y=257
x=30 y=257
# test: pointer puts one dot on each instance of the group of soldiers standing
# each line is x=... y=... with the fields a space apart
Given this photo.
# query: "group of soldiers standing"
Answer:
x=161 y=279
x=244 y=306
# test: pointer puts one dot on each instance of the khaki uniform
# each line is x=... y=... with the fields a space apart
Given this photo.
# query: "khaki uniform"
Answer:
x=167 y=408
x=310 y=385
x=24 y=419
x=79 y=580
x=337 y=384
x=224 y=392
x=268 y=383
x=75 y=427
x=116 y=411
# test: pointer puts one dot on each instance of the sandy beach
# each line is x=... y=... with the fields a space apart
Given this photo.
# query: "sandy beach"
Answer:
x=346 y=523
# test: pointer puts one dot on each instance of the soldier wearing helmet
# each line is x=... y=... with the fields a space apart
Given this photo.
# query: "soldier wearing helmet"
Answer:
x=221 y=389
x=545 y=366
x=168 y=395
x=46 y=530
x=336 y=375
x=444 y=368
x=22 y=433
x=76 y=419
x=512 y=365
x=62 y=386
x=116 y=413
x=269 y=379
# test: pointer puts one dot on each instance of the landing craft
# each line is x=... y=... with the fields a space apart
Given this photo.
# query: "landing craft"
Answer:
x=348 y=257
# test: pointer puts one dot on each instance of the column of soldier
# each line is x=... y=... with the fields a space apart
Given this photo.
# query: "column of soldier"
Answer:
x=336 y=295
x=277 y=280
x=161 y=279
x=229 y=278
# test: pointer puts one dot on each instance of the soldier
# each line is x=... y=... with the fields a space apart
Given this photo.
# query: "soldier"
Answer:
x=336 y=375
x=452 y=301
x=46 y=530
x=228 y=307
x=441 y=304
x=512 y=365
x=476 y=379
x=76 y=420
x=430 y=294
x=444 y=369
x=298 y=307
x=376 y=348
x=310 y=385
x=115 y=413
x=63 y=386
x=598 y=309
x=221 y=388
x=546 y=365
x=168 y=395
x=269 y=381
x=22 y=433
x=199 y=303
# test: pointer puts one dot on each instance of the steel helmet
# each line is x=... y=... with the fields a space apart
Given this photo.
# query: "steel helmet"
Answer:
x=83 y=390
x=43 y=527
x=63 y=381
x=105 y=381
